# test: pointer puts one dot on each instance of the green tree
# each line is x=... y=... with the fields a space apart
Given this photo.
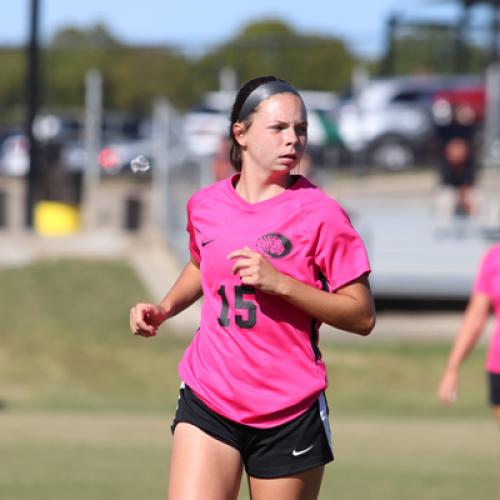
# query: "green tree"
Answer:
x=12 y=88
x=133 y=76
x=273 y=47
x=433 y=49
x=97 y=36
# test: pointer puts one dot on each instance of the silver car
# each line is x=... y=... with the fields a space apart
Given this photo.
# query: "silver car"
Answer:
x=388 y=123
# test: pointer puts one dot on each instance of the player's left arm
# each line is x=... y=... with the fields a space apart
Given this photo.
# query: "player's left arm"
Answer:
x=349 y=308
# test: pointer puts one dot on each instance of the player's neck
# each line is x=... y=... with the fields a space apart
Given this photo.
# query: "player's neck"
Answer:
x=255 y=188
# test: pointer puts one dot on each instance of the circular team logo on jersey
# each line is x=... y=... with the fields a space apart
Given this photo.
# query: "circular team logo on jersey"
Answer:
x=275 y=245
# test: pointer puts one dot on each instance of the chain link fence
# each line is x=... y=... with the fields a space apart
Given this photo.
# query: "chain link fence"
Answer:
x=177 y=174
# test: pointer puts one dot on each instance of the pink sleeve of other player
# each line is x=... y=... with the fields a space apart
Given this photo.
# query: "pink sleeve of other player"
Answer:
x=193 y=246
x=340 y=252
x=482 y=282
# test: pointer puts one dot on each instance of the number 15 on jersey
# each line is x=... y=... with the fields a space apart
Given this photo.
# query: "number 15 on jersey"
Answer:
x=248 y=316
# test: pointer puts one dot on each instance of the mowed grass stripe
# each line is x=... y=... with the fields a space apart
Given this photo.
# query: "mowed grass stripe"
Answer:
x=121 y=456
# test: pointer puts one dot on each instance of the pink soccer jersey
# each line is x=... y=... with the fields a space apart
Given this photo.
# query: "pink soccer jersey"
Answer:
x=488 y=282
x=255 y=358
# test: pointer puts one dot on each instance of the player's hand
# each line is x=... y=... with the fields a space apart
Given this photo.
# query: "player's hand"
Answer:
x=255 y=270
x=448 y=387
x=145 y=319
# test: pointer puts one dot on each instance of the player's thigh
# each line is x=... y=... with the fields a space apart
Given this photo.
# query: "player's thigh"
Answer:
x=202 y=467
x=302 y=486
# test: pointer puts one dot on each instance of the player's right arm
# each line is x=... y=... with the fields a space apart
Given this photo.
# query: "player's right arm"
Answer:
x=145 y=319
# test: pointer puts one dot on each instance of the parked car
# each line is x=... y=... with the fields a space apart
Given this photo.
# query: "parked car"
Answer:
x=467 y=98
x=389 y=123
x=116 y=155
x=14 y=155
x=122 y=140
x=61 y=129
x=207 y=123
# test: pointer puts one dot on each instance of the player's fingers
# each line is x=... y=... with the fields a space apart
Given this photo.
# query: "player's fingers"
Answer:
x=241 y=252
x=451 y=397
x=138 y=321
x=447 y=394
x=142 y=314
x=141 y=323
x=250 y=279
x=148 y=333
x=144 y=333
x=132 y=321
x=250 y=271
x=240 y=265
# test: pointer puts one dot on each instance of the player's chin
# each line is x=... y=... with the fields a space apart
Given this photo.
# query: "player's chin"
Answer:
x=285 y=167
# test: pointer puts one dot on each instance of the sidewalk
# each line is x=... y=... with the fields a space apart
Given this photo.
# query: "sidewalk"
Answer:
x=409 y=326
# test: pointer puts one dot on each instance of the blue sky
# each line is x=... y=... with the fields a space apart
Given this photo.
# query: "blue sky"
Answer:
x=197 y=24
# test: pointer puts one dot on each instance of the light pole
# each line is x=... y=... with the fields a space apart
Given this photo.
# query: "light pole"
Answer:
x=32 y=88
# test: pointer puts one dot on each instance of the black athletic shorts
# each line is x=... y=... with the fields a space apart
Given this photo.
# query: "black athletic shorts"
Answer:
x=290 y=448
x=494 y=388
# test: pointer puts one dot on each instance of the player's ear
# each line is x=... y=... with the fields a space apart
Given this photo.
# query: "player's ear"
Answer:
x=239 y=133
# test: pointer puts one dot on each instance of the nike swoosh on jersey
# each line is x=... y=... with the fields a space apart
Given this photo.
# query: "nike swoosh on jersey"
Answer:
x=296 y=453
x=205 y=243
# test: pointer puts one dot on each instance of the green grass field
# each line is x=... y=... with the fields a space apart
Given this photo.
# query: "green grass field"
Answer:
x=86 y=406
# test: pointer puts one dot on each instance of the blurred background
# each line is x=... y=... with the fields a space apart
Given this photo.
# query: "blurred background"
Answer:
x=113 y=114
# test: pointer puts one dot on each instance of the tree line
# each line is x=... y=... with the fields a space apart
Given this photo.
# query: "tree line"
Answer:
x=134 y=75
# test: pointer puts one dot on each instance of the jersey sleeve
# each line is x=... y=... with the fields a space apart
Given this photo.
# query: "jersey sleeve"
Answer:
x=340 y=252
x=193 y=246
x=482 y=282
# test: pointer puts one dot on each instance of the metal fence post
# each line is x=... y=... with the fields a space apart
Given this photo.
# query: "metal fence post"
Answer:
x=161 y=161
x=491 y=141
x=92 y=143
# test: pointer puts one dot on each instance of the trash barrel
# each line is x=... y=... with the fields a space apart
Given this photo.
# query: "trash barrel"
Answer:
x=53 y=218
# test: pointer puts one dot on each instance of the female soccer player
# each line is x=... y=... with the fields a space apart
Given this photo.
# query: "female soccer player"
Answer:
x=485 y=296
x=273 y=257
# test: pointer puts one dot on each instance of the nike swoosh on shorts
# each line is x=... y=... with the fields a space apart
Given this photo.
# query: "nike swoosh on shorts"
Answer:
x=296 y=453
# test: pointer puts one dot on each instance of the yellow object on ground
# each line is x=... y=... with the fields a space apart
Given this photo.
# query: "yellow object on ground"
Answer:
x=53 y=218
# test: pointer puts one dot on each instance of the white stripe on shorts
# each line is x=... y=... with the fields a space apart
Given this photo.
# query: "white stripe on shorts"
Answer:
x=323 y=413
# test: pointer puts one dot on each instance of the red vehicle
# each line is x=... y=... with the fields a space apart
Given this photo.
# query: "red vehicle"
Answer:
x=469 y=100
